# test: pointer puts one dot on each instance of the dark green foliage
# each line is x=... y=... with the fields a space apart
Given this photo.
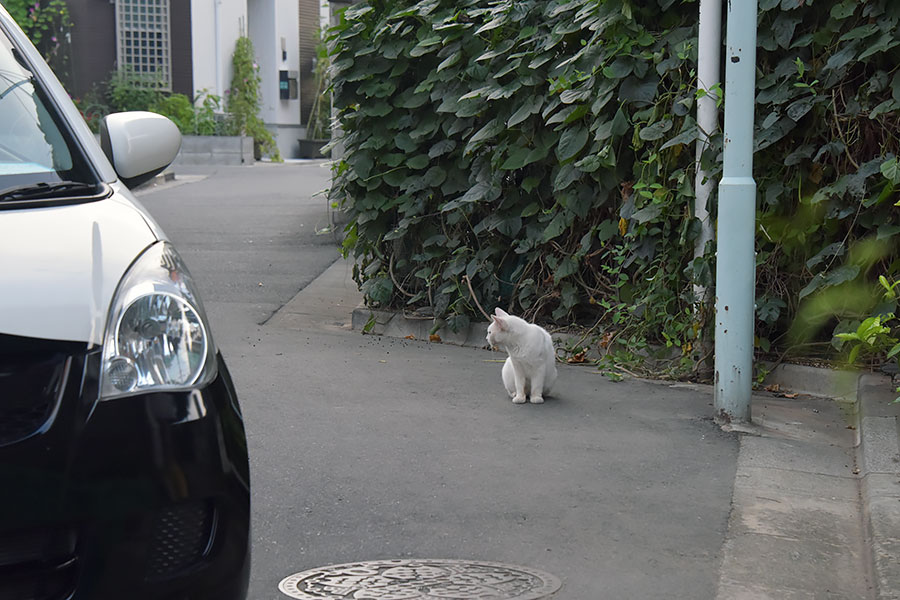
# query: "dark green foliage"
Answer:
x=545 y=149
x=244 y=98
x=47 y=24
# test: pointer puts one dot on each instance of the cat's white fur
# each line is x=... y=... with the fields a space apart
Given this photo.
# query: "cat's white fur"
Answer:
x=530 y=368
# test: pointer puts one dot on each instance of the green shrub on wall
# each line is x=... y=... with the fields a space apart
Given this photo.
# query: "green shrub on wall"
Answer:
x=47 y=24
x=545 y=151
x=243 y=99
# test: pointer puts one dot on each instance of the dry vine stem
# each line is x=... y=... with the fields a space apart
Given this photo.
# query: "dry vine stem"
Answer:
x=472 y=292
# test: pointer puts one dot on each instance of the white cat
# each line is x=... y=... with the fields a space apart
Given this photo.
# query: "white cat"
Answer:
x=530 y=368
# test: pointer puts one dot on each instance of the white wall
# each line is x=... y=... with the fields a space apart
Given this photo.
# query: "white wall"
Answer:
x=270 y=21
x=215 y=27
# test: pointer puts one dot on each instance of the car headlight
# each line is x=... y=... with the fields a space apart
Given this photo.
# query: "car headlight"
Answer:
x=157 y=336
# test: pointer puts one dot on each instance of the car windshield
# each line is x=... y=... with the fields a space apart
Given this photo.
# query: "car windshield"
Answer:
x=34 y=148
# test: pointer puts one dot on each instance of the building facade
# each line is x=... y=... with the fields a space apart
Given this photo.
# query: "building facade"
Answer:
x=186 y=46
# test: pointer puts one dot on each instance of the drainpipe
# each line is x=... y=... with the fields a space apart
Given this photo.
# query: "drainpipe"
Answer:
x=708 y=58
x=219 y=91
x=735 y=255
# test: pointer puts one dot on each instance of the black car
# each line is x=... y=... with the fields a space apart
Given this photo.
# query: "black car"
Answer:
x=123 y=457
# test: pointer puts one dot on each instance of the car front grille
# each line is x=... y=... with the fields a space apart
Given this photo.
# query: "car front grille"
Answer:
x=182 y=536
x=37 y=565
x=33 y=375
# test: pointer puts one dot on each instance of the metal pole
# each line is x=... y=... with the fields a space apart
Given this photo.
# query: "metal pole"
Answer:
x=709 y=53
x=735 y=255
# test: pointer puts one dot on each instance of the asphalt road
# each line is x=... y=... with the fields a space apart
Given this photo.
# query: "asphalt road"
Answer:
x=365 y=448
x=252 y=236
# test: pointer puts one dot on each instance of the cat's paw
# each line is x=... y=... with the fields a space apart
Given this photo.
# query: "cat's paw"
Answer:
x=537 y=399
x=518 y=399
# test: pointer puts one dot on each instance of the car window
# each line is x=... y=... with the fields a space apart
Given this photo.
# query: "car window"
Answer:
x=34 y=148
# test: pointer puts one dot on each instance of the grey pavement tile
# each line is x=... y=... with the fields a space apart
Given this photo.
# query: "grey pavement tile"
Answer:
x=794 y=517
x=881 y=452
x=767 y=561
x=799 y=483
x=796 y=456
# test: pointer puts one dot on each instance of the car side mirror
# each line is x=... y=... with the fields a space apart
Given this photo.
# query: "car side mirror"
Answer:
x=139 y=144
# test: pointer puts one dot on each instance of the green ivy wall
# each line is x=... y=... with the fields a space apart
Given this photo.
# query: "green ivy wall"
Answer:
x=544 y=149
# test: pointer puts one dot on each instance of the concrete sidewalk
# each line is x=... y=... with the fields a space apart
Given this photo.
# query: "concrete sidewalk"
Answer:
x=815 y=506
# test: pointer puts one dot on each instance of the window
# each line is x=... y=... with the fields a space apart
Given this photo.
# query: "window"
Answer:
x=143 y=42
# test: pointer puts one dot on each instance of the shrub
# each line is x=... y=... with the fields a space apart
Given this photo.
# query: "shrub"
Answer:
x=47 y=24
x=544 y=151
x=243 y=99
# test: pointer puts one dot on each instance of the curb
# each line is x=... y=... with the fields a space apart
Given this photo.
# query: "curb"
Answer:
x=864 y=398
x=867 y=398
x=393 y=324
x=879 y=465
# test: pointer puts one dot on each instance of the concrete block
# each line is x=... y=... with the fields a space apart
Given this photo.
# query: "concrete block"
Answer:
x=880 y=445
x=837 y=383
x=796 y=456
x=775 y=563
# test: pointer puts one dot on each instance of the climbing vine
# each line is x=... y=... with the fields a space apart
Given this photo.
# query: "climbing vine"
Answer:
x=544 y=150
x=47 y=24
x=243 y=99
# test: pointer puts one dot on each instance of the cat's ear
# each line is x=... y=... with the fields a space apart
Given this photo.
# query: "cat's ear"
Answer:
x=500 y=312
x=498 y=321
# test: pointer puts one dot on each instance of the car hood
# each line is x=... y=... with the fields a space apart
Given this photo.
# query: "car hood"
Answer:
x=61 y=266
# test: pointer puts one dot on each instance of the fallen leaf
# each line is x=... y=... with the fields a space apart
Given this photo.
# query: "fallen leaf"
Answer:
x=607 y=339
x=434 y=337
x=773 y=388
x=410 y=337
x=791 y=395
x=576 y=358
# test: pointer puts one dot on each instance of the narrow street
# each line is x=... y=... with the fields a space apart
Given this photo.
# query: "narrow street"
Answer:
x=366 y=448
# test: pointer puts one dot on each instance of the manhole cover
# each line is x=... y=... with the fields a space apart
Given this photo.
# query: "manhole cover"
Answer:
x=421 y=580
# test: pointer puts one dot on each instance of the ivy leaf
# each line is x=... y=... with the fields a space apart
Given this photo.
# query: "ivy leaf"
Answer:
x=844 y=9
x=556 y=227
x=378 y=289
x=418 y=162
x=798 y=109
x=362 y=163
x=566 y=176
x=891 y=171
x=607 y=230
x=640 y=92
x=531 y=106
x=655 y=131
x=376 y=109
x=441 y=148
x=518 y=158
x=449 y=61
x=859 y=33
x=686 y=137
x=476 y=193
x=571 y=142
x=566 y=267
x=531 y=210
x=429 y=44
x=490 y=130
x=648 y=213
x=835 y=249
x=572 y=96
x=838 y=276
x=494 y=23
x=884 y=43
x=434 y=177
x=887 y=231
x=783 y=29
